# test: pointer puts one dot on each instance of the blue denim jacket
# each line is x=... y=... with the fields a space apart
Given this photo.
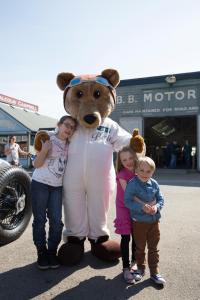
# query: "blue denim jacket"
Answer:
x=147 y=192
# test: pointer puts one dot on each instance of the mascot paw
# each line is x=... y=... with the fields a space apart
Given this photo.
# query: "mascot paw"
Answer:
x=137 y=142
x=40 y=136
x=106 y=251
x=70 y=254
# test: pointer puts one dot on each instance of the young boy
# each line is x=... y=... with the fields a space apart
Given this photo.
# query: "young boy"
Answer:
x=144 y=199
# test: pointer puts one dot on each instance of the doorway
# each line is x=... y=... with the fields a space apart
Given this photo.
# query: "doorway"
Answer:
x=160 y=132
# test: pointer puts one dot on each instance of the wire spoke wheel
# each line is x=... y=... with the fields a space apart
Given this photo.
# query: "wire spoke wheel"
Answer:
x=12 y=206
x=15 y=203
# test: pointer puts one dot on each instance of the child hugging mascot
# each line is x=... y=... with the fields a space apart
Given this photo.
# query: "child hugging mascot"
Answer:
x=89 y=180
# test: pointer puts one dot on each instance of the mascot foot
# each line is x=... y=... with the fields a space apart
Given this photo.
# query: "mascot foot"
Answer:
x=71 y=252
x=105 y=249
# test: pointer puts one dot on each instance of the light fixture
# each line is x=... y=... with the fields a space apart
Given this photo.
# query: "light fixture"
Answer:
x=170 y=79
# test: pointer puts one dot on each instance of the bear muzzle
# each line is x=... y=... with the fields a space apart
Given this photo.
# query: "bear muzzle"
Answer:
x=92 y=120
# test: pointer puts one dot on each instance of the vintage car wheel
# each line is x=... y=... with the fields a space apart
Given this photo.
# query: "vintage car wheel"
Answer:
x=15 y=203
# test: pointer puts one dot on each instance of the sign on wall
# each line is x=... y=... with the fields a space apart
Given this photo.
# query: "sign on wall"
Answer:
x=151 y=102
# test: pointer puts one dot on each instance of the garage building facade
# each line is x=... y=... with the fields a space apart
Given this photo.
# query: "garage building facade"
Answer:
x=165 y=109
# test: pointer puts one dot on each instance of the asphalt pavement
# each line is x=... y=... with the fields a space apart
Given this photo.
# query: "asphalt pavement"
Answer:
x=93 y=279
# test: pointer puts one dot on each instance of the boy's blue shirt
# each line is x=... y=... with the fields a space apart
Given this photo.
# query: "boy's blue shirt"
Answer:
x=147 y=192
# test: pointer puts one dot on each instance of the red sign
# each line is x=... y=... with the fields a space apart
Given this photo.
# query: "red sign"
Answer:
x=19 y=103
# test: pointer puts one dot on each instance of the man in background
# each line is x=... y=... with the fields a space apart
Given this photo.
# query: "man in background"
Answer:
x=12 y=151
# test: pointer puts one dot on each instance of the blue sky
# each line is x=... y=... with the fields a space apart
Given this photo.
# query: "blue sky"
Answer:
x=42 y=38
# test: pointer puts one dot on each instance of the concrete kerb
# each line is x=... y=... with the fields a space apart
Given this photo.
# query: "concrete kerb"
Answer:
x=180 y=177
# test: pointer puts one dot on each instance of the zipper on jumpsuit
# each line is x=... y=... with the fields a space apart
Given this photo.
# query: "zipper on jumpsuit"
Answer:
x=85 y=158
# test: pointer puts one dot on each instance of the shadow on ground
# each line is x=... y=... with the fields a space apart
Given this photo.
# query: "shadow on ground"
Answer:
x=28 y=282
x=99 y=288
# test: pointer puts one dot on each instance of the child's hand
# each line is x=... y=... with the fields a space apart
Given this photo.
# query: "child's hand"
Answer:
x=154 y=209
x=147 y=208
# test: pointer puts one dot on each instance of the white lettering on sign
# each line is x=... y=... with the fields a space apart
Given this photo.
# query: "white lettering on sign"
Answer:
x=167 y=109
x=176 y=95
x=169 y=94
x=19 y=103
x=159 y=96
x=119 y=100
x=148 y=97
x=179 y=95
x=131 y=99
x=192 y=94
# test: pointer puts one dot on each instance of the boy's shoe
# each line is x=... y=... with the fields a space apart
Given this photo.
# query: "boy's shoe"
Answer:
x=158 y=279
x=128 y=277
x=133 y=267
x=42 y=261
x=53 y=260
x=138 y=274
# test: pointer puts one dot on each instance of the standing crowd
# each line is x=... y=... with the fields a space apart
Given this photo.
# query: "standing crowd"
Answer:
x=138 y=203
x=173 y=155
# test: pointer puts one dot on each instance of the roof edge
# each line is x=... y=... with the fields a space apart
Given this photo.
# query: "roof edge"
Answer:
x=158 y=79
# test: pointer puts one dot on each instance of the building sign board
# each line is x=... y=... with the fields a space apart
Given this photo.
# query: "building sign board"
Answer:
x=19 y=103
x=150 y=102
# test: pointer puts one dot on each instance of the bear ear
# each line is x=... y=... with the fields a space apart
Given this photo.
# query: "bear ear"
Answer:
x=63 y=79
x=112 y=76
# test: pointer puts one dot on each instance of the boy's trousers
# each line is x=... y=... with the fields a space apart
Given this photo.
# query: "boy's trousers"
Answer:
x=147 y=234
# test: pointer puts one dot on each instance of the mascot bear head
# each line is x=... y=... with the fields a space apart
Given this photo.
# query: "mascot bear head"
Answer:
x=89 y=98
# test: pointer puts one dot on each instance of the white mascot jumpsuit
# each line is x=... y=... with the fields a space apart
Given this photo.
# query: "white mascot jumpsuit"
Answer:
x=89 y=179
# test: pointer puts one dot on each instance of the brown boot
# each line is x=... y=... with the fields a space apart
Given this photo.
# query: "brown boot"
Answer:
x=105 y=249
x=71 y=252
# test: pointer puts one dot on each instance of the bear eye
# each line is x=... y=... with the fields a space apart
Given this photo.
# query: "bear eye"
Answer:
x=79 y=94
x=96 y=94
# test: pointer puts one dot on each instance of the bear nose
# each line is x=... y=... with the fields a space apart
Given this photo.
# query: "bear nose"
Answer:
x=90 y=119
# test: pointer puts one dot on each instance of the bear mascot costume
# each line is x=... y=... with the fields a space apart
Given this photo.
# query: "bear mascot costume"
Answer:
x=89 y=180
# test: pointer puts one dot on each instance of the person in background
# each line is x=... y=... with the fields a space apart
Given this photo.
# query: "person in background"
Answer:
x=125 y=168
x=174 y=154
x=12 y=151
x=187 y=150
x=46 y=192
x=167 y=154
x=145 y=201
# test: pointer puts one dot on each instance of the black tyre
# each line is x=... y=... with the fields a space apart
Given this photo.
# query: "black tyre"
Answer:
x=15 y=203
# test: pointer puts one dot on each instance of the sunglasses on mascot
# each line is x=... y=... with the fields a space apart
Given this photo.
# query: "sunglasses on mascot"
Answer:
x=78 y=80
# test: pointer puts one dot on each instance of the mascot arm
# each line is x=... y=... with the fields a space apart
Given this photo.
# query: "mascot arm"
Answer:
x=137 y=143
x=41 y=135
x=121 y=140
x=41 y=148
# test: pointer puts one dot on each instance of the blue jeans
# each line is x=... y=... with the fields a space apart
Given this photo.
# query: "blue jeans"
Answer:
x=173 y=161
x=46 y=203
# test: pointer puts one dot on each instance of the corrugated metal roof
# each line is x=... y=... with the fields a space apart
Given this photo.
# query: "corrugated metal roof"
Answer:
x=158 y=79
x=33 y=121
